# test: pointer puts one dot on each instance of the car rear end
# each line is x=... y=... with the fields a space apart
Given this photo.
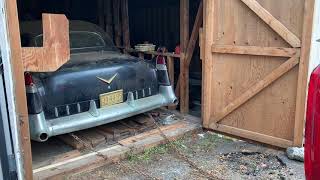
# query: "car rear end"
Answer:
x=91 y=92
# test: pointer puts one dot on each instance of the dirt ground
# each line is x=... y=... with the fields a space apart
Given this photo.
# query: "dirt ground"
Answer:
x=224 y=157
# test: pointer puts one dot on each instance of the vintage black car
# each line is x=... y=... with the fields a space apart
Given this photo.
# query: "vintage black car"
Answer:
x=98 y=85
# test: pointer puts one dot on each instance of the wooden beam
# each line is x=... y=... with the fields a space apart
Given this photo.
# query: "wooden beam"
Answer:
x=141 y=55
x=207 y=63
x=100 y=13
x=12 y=23
x=170 y=65
x=117 y=24
x=303 y=73
x=184 y=71
x=154 y=53
x=56 y=49
x=108 y=14
x=195 y=33
x=255 y=50
x=125 y=23
x=258 y=87
x=192 y=42
x=266 y=139
x=274 y=23
x=201 y=43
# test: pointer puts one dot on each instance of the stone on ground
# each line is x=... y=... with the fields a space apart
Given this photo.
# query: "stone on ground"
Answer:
x=296 y=153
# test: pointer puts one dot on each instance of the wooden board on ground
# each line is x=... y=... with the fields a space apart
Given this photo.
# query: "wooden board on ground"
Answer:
x=139 y=143
x=109 y=133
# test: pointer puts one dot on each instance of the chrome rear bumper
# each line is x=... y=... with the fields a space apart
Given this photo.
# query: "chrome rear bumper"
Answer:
x=41 y=129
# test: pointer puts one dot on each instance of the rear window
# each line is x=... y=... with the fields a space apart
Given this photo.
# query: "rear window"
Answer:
x=80 y=40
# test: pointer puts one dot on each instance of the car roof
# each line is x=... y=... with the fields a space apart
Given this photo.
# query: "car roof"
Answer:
x=34 y=28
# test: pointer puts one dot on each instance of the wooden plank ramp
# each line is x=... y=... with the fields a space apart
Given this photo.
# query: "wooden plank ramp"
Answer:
x=143 y=135
x=109 y=133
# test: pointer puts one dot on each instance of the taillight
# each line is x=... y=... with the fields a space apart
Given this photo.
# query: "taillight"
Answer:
x=312 y=129
x=162 y=72
x=33 y=98
x=161 y=60
x=28 y=79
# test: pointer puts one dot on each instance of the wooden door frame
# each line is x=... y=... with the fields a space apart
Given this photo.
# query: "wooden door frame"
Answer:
x=15 y=56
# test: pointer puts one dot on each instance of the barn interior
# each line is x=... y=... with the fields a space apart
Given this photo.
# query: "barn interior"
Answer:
x=254 y=65
x=129 y=23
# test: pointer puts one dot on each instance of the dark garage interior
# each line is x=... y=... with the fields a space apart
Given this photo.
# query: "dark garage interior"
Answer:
x=89 y=85
x=156 y=22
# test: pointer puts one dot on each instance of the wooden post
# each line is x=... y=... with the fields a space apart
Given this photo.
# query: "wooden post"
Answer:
x=19 y=87
x=207 y=63
x=303 y=73
x=141 y=55
x=108 y=15
x=116 y=20
x=192 y=42
x=184 y=71
x=125 y=23
x=101 y=17
x=170 y=64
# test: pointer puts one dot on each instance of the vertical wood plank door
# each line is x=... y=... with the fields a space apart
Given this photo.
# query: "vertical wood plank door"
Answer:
x=253 y=68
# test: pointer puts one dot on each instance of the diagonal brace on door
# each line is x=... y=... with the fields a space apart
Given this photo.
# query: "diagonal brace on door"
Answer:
x=274 y=23
x=255 y=89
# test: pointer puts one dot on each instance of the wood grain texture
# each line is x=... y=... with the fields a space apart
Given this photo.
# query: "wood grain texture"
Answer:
x=254 y=136
x=303 y=73
x=274 y=23
x=56 y=49
x=192 y=42
x=201 y=43
x=115 y=153
x=255 y=50
x=184 y=71
x=108 y=16
x=207 y=64
x=195 y=34
x=252 y=91
x=116 y=21
x=125 y=23
x=229 y=76
x=19 y=86
x=170 y=65
x=100 y=13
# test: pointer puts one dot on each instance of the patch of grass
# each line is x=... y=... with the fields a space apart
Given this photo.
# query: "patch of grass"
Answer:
x=207 y=143
x=183 y=145
x=148 y=153
x=210 y=140
x=158 y=150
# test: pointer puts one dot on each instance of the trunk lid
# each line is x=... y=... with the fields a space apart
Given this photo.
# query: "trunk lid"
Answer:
x=85 y=77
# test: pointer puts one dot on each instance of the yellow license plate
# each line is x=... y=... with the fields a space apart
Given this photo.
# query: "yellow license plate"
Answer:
x=111 y=98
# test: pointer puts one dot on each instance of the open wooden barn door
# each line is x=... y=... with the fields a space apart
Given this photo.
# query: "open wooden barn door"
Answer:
x=255 y=68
